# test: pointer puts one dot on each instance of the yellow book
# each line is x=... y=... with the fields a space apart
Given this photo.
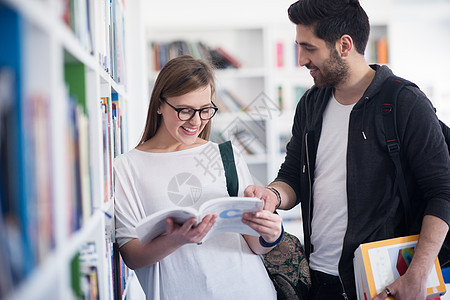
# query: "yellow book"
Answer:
x=378 y=264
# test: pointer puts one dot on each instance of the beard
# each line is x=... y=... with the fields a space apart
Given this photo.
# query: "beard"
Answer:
x=333 y=71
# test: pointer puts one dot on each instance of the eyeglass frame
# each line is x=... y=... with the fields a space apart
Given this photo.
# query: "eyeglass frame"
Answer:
x=179 y=109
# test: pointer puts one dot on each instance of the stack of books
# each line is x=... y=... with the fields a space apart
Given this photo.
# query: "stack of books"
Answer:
x=378 y=264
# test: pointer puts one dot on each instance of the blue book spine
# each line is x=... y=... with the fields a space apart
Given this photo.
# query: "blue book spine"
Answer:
x=19 y=185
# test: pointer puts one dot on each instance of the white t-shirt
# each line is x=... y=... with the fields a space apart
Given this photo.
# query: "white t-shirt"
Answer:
x=223 y=267
x=329 y=222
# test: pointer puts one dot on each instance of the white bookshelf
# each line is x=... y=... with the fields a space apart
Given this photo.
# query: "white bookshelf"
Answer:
x=52 y=62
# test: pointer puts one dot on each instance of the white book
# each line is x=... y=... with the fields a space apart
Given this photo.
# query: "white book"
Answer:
x=229 y=212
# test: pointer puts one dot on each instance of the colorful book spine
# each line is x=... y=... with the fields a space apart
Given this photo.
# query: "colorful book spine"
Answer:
x=382 y=51
x=16 y=257
x=23 y=202
x=231 y=102
x=76 y=15
x=107 y=147
x=84 y=272
x=280 y=96
x=75 y=77
x=378 y=51
x=117 y=124
x=279 y=52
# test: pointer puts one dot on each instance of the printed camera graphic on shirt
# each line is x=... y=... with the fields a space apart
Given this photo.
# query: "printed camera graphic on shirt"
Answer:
x=184 y=189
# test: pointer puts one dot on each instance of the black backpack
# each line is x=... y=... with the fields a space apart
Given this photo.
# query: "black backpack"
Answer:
x=389 y=94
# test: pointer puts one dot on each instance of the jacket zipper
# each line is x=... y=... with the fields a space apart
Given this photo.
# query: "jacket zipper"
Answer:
x=310 y=187
x=344 y=294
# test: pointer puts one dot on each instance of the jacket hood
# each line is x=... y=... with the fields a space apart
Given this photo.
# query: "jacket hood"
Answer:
x=317 y=107
x=381 y=74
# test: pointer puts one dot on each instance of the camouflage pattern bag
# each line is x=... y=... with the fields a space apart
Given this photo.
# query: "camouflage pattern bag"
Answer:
x=288 y=268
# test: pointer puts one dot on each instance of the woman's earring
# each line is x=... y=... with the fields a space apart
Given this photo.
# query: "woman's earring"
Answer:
x=158 y=112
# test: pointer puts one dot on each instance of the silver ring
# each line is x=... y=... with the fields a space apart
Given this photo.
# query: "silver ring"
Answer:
x=388 y=292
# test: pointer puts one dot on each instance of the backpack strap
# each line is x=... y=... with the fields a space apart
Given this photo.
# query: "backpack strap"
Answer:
x=226 y=152
x=390 y=89
x=446 y=132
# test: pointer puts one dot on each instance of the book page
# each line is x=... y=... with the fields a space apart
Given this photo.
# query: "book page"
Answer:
x=390 y=262
x=383 y=274
x=363 y=290
x=155 y=224
x=229 y=214
x=357 y=274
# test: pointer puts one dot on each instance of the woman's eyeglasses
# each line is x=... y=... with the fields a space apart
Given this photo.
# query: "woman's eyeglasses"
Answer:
x=186 y=113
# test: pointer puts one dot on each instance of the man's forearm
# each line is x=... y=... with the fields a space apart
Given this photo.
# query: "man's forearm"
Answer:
x=432 y=235
x=412 y=285
x=288 y=196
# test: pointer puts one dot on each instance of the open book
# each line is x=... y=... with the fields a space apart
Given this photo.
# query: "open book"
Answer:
x=229 y=212
x=380 y=263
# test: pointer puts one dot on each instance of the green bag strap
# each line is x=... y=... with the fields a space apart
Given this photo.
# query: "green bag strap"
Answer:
x=226 y=152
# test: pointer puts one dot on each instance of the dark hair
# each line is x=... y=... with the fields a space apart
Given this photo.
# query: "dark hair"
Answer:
x=179 y=76
x=332 y=19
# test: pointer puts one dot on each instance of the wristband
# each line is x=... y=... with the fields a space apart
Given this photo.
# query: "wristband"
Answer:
x=277 y=193
x=267 y=245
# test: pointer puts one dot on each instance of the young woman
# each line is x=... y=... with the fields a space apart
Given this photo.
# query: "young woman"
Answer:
x=175 y=165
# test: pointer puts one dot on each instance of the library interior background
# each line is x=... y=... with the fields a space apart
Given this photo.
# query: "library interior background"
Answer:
x=75 y=80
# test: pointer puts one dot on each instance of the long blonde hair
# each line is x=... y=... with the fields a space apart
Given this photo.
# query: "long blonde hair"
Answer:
x=179 y=76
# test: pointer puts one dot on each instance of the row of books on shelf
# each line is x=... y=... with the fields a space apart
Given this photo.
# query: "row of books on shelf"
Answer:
x=121 y=273
x=116 y=41
x=46 y=162
x=27 y=218
x=162 y=52
x=113 y=143
x=247 y=136
x=228 y=101
x=26 y=194
x=107 y=42
x=296 y=93
x=113 y=139
x=26 y=166
x=85 y=272
x=79 y=162
x=377 y=51
x=286 y=55
x=27 y=213
x=281 y=50
x=76 y=15
x=85 y=277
